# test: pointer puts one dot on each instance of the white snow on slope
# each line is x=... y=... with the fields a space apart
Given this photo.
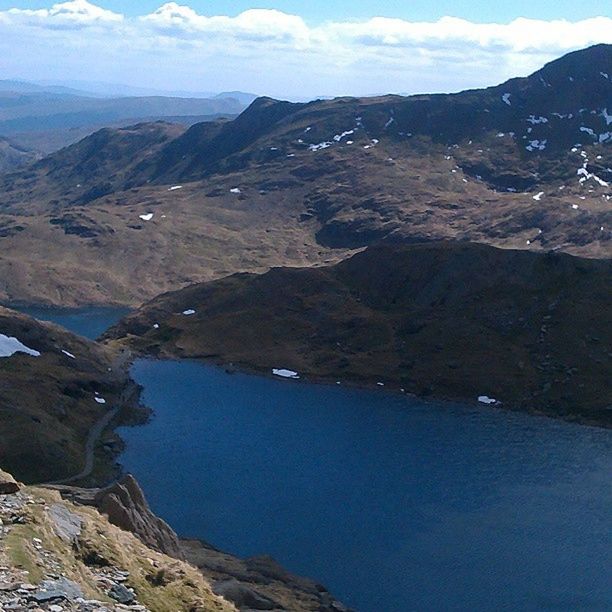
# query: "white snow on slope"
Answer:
x=68 y=354
x=189 y=312
x=146 y=217
x=506 y=99
x=538 y=196
x=9 y=346
x=175 y=187
x=535 y=120
x=283 y=373
x=485 y=399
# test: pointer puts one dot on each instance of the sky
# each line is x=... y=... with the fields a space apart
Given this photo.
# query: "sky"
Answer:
x=290 y=49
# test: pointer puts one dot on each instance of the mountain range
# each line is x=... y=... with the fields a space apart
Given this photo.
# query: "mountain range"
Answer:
x=45 y=118
x=526 y=164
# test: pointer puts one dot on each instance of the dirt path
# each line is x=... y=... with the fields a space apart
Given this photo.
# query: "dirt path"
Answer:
x=119 y=364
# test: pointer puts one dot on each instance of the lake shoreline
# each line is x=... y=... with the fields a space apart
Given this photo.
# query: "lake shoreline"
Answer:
x=248 y=368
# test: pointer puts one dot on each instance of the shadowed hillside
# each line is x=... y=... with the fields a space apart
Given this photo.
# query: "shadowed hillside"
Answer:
x=453 y=320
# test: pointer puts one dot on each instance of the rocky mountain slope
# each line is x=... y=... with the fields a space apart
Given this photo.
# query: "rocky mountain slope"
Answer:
x=55 y=555
x=531 y=331
x=60 y=552
x=55 y=388
x=14 y=156
x=526 y=164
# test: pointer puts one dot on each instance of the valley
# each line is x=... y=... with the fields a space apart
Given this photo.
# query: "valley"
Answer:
x=346 y=332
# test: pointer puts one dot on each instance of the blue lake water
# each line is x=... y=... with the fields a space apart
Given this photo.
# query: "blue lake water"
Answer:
x=392 y=503
x=89 y=322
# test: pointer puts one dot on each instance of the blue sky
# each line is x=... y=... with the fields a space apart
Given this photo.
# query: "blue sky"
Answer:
x=315 y=11
x=290 y=49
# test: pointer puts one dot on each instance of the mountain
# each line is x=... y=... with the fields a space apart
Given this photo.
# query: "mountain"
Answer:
x=14 y=156
x=46 y=118
x=242 y=97
x=526 y=164
x=449 y=320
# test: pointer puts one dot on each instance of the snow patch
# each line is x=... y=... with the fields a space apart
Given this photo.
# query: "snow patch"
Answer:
x=320 y=146
x=175 y=187
x=189 y=312
x=283 y=373
x=68 y=354
x=100 y=400
x=10 y=345
x=235 y=190
x=538 y=145
x=485 y=399
x=538 y=196
x=339 y=137
x=506 y=99
x=146 y=217
x=535 y=120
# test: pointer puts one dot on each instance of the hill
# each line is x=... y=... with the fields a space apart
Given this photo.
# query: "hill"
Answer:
x=529 y=330
x=526 y=164
x=14 y=156
x=54 y=391
x=47 y=118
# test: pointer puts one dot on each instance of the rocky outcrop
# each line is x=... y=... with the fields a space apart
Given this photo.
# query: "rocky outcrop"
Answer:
x=58 y=556
x=8 y=484
x=126 y=507
x=258 y=583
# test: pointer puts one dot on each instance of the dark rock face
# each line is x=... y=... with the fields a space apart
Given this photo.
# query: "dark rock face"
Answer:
x=242 y=596
x=8 y=485
x=127 y=508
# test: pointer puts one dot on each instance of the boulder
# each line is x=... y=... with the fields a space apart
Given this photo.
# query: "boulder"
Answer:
x=8 y=485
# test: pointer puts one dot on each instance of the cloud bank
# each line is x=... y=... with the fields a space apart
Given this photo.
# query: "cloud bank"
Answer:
x=268 y=51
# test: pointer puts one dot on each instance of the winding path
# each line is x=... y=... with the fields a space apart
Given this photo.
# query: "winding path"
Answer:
x=93 y=437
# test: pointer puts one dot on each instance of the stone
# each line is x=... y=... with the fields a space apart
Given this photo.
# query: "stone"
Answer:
x=57 y=589
x=121 y=594
x=67 y=524
x=8 y=485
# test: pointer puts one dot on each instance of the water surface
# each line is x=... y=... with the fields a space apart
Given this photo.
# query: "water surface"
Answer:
x=392 y=503
x=89 y=322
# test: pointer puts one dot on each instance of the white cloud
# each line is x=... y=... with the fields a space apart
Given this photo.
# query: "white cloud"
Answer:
x=272 y=52
x=74 y=12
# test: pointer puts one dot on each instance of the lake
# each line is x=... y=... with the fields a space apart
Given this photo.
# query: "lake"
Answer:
x=89 y=322
x=393 y=503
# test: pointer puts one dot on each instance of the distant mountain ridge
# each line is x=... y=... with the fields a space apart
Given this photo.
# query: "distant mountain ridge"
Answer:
x=47 y=117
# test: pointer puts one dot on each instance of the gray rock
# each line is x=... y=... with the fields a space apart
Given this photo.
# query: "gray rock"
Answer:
x=121 y=594
x=67 y=524
x=57 y=589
